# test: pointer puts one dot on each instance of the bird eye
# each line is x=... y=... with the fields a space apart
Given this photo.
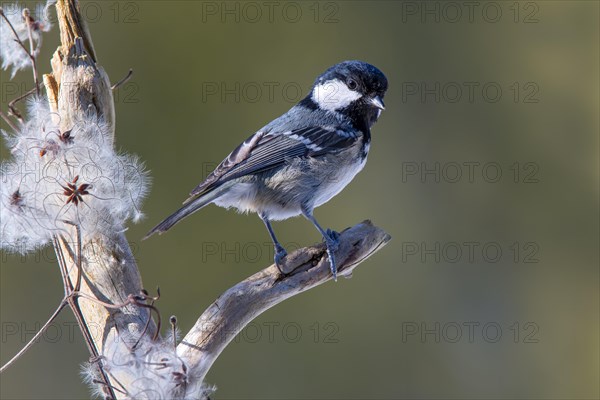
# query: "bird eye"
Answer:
x=352 y=84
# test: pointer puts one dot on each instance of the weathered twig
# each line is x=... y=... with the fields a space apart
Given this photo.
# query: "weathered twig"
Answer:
x=72 y=299
x=68 y=290
x=12 y=108
x=71 y=294
x=32 y=52
x=305 y=268
x=108 y=270
x=123 y=80
x=36 y=337
x=8 y=121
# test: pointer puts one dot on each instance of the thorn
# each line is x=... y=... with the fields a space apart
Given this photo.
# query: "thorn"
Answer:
x=123 y=81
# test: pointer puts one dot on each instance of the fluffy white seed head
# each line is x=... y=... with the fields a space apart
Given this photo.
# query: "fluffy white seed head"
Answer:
x=333 y=95
x=58 y=178
x=12 y=54
x=151 y=369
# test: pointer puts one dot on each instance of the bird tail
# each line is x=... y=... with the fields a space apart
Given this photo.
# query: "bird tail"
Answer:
x=190 y=206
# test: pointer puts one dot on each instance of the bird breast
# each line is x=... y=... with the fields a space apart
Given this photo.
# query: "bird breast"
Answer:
x=303 y=182
x=345 y=167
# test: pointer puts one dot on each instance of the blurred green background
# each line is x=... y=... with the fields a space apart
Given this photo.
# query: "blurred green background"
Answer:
x=502 y=87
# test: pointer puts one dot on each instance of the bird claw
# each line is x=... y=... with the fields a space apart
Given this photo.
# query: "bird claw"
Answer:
x=280 y=254
x=332 y=241
x=332 y=263
x=333 y=235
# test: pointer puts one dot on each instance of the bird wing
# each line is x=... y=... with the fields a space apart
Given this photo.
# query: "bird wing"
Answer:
x=263 y=151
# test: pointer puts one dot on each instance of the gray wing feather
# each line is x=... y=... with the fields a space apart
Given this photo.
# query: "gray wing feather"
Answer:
x=263 y=151
x=238 y=155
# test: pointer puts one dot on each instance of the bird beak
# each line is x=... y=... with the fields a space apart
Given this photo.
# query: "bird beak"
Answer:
x=377 y=102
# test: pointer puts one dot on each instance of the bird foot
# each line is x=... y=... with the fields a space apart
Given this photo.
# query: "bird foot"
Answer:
x=332 y=240
x=333 y=235
x=280 y=254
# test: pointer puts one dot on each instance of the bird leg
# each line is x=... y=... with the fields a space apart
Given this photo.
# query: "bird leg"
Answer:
x=280 y=252
x=332 y=241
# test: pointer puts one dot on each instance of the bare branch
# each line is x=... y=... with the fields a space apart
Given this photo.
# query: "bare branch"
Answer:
x=72 y=300
x=36 y=337
x=305 y=268
x=8 y=122
x=102 y=268
x=32 y=51
x=12 y=104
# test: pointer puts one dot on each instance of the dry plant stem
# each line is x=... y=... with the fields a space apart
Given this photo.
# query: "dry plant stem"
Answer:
x=32 y=50
x=124 y=80
x=12 y=28
x=17 y=39
x=108 y=273
x=30 y=53
x=62 y=264
x=304 y=269
x=8 y=121
x=72 y=299
x=73 y=26
x=72 y=296
x=63 y=304
x=173 y=321
x=36 y=337
x=12 y=105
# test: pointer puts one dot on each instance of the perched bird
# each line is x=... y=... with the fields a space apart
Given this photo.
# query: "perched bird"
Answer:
x=301 y=159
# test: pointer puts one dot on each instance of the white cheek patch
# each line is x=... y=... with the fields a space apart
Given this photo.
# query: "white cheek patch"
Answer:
x=333 y=95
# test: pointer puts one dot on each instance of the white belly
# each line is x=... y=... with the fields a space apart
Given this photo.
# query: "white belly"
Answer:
x=241 y=196
x=336 y=184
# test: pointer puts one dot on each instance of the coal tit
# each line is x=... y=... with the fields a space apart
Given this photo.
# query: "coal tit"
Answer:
x=301 y=159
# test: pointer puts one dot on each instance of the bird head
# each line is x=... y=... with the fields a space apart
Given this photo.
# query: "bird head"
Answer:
x=353 y=88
